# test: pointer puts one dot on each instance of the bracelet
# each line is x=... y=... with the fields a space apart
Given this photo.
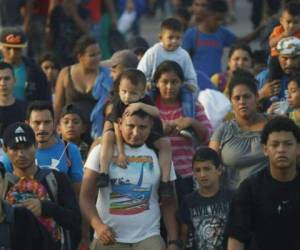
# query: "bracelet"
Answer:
x=178 y=243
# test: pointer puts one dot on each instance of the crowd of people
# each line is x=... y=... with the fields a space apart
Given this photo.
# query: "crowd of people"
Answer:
x=109 y=143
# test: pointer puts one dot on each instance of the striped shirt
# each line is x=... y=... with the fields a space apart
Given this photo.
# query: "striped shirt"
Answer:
x=182 y=148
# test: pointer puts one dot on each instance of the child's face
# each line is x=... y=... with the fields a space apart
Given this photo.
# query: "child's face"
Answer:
x=240 y=59
x=214 y=20
x=50 y=71
x=289 y=22
x=130 y=93
x=71 y=127
x=206 y=174
x=169 y=86
x=293 y=95
x=170 y=39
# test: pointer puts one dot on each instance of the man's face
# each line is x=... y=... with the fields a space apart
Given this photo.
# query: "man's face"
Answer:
x=135 y=130
x=199 y=8
x=289 y=64
x=22 y=156
x=7 y=82
x=42 y=124
x=12 y=55
x=282 y=149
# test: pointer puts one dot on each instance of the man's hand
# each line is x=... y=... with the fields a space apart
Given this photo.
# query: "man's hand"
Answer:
x=34 y=205
x=106 y=235
x=270 y=89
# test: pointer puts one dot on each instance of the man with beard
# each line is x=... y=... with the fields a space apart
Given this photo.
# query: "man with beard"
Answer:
x=272 y=91
x=52 y=152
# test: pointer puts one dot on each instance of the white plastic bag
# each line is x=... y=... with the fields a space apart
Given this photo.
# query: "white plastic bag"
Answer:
x=216 y=105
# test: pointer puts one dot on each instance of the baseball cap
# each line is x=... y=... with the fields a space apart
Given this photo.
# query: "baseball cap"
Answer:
x=13 y=38
x=125 y=57
x=289 y=46
x=72 y=109
x=16 y=133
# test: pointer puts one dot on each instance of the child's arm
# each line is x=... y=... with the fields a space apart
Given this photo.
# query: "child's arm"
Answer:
x=121 y=158
x=150 y=109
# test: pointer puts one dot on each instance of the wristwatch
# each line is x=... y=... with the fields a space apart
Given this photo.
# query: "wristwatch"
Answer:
x=178 y=243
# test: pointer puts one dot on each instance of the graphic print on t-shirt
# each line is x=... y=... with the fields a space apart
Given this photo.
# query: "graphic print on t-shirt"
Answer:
x=209 y=223
x=131 y=187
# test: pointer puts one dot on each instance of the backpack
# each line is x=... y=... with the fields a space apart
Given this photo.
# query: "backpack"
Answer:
x=6 y=226
x=47 y=175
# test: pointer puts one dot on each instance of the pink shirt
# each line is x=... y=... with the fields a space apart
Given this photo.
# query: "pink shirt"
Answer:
x=182 y=148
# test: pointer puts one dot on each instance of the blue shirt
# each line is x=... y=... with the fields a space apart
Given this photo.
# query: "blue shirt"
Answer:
x=55 y=157
x=207 y=49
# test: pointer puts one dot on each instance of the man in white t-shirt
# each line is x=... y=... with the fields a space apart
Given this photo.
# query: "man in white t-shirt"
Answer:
x=127 y=212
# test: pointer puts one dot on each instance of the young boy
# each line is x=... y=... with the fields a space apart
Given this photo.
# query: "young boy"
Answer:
x=205 y=210
x=289 y=26
x=71 y=127
x=169 y=49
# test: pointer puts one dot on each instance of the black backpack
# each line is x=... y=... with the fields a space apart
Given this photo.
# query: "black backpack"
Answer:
x=6 y=226
x=47 y=175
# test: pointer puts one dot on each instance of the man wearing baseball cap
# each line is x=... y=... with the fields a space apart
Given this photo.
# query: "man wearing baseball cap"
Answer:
x=31 y=82
x=19 y=145
x=121 y=60
x=289 y=60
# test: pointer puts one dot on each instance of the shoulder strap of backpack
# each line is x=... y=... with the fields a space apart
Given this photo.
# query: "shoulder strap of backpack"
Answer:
x=6 y=226
x=9 y=180
x=195 y=42
x=48 y=175
x=66 y=149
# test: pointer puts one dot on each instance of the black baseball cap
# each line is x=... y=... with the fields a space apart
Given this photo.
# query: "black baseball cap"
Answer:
x=16 y=133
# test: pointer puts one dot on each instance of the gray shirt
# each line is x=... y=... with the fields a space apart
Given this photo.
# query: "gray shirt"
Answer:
x=241 y=152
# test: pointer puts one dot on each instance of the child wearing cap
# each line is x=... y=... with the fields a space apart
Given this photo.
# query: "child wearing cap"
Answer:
x=205 y=210
x=289 y=26
x=169 y=49
x=71 y=127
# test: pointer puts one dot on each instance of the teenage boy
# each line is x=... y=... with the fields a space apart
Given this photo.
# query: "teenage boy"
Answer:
x=71 y=127
x=205 y=210
x=265 y=210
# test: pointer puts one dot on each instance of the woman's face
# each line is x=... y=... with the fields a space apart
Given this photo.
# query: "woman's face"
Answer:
x=169 y=86
x=240 y=59
x=91 y=56
x=243 y=101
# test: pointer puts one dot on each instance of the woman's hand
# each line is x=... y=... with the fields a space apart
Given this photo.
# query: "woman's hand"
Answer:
x=183 y=122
